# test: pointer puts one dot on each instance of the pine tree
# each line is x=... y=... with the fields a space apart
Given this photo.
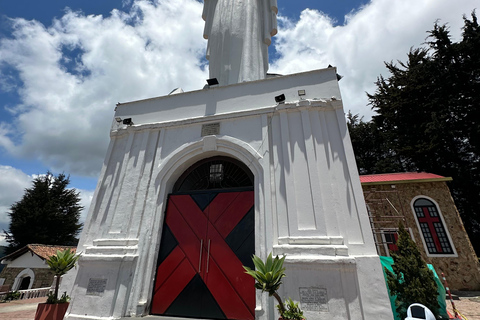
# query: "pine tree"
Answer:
x=412 y=281
x=372 y=151
x=48 y=213
x=427 y=113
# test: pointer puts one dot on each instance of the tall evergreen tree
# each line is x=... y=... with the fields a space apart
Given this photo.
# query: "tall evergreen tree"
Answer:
x=371 y=147
x=427 y=114
x=48 y=213
x=412 y=281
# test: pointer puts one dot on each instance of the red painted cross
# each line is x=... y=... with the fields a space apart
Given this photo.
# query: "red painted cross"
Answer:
x=429 y=220
x=202 y=250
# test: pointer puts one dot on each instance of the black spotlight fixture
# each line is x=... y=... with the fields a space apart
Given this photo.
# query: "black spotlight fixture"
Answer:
x=280 y=98
x=127 y=121
x=212 y=82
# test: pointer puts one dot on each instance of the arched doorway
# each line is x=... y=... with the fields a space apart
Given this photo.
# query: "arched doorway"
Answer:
x=25 y=284
x=208 y=234
x=24 y=280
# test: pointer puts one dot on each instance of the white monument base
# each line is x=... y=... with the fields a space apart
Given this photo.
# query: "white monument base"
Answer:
x=307 y=200
x=337 y=288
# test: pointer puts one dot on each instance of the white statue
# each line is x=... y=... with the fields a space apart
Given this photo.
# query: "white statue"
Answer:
x=239 y=33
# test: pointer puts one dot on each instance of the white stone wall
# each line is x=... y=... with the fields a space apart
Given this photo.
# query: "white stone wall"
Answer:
x=28 y=260
x=308 y=200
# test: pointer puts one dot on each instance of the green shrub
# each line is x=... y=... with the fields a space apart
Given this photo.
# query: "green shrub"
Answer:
x=12 y=295
x=412 y=281
x=292 y=310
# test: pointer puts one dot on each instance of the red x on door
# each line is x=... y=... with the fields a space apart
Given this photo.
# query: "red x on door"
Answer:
x=206 y=239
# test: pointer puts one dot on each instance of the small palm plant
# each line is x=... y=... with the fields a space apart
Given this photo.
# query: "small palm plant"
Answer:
x=60 y=264
x=268 y=276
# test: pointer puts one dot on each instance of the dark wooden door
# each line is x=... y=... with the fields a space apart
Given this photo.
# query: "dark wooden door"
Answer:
x=207 y=237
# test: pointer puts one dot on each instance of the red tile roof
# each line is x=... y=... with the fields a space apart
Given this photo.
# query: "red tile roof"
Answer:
x=42 y=250
x=402 y=177
x=45 y=251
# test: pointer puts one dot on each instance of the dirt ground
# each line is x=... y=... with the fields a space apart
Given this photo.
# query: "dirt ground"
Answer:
x=468 y=304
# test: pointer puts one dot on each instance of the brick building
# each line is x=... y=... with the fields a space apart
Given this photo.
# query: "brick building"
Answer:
x=424 y=203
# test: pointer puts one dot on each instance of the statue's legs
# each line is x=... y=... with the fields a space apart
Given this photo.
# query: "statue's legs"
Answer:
x=237 y=52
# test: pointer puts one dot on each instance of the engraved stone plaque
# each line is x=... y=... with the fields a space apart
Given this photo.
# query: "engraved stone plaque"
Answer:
x=314 y=299
x=210 y=129
x=96 y=287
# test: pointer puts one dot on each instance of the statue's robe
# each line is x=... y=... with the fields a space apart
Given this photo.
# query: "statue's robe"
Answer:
x=239 y=33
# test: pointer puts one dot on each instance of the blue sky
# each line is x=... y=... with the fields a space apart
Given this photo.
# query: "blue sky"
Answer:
x=63 y=70
x=45 y=11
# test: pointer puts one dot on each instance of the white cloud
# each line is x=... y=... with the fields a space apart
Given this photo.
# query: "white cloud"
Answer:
x=68 y=102
x=74 y=72
x=12 y=186
x=383 y=30
x=86 y=197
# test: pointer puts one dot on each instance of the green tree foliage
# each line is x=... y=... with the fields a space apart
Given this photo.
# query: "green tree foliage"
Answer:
x=48 y=213
x=412 y=281
x=371 y=148
x=427 y=118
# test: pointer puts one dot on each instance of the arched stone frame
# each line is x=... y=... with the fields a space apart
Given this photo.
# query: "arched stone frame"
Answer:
x=172 y=167
x=454 y=254
x=24 y=273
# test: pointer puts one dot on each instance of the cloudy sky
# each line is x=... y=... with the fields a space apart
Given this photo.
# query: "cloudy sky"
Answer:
x=64 y=64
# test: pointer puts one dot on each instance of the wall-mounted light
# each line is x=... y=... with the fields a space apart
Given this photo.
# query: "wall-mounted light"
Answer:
x=212 y=82
x=127 y=121
x=301 y=92
x=280 y=98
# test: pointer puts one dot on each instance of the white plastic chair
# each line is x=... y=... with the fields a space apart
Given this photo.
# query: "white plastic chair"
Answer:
x=419 y=311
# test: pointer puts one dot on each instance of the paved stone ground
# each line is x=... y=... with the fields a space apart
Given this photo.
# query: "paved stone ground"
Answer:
x=468 y=305
x=20 y=309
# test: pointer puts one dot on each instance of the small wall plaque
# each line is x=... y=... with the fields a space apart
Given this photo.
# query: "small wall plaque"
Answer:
x=314 y=299
x=96 y=287
x=210 y=129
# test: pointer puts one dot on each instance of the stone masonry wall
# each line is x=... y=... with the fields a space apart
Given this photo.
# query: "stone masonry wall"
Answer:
x=43 y=277
x=462 y=272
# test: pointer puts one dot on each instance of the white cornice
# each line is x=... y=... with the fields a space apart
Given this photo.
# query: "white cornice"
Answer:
x=323 y=104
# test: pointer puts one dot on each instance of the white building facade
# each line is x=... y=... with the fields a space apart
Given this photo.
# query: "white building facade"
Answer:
x=150 y=243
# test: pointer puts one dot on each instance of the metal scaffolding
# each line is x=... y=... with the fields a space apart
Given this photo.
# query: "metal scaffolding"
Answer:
x=385 y=212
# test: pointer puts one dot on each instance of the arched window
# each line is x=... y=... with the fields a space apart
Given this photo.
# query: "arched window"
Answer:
x=215 y=173
x=430 y=222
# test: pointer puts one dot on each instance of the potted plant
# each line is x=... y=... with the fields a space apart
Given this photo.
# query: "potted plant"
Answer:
x=55 y=308
x=268 y=278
